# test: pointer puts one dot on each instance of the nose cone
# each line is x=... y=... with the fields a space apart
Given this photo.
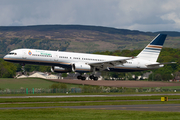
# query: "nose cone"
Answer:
x=5 y=57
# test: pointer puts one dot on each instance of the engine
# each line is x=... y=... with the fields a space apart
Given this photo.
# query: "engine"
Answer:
x=59 y=69
x=82 y=68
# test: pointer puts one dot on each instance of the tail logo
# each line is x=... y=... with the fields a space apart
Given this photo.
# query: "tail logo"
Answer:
x=153 y=48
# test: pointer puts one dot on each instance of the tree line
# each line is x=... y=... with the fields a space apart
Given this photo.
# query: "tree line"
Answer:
x=8 y=70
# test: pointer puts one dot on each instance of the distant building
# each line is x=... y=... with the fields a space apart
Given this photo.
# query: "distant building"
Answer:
x=52 y=77
x=22 y=76
x=176 y=79
x=146 y=75
x=38 y=75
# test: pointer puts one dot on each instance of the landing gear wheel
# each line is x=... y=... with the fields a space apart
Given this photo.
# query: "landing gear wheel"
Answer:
x=92 y=77
x=95 y=78
x=79 y=77
x=83 y=78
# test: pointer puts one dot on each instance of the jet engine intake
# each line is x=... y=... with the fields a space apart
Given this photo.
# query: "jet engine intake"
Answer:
x=81 y=68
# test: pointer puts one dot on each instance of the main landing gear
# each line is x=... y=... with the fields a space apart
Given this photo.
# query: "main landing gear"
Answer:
x=81 y=77
x=92 y=77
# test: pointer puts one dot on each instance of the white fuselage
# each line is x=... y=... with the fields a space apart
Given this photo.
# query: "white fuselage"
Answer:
x=66 y=59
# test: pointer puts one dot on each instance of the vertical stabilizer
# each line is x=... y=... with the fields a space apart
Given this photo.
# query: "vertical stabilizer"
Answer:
x=153 y=49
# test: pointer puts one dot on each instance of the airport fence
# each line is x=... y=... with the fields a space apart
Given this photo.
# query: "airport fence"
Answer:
x=86 y=90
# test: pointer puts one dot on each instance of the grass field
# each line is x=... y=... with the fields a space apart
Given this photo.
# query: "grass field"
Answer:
x=18 y=87
x=82 y=101
x=84 y=114
x=72 y=99
x=171 y=87
x=11 y=83
x=25 y=83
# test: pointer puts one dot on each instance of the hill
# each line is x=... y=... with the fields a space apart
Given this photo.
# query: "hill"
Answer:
x=78 y=38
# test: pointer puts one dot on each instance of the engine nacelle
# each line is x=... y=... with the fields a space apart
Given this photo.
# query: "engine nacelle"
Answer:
x=59 y=69
x=82 y=68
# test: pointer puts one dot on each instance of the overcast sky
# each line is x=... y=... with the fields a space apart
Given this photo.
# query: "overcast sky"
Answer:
x=143 y=15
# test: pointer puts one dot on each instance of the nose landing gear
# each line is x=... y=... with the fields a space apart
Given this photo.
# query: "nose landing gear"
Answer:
x=22 y=68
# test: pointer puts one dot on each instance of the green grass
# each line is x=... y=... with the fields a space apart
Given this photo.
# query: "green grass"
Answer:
x=25 y=83
x=69 y=99
x=171 y=87
x=79 y=101
x=30 y=83
x=12 y=84
x=84 y=114
x=37 y=104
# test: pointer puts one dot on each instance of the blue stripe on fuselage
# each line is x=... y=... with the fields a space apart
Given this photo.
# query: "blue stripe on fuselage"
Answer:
x=151 y=51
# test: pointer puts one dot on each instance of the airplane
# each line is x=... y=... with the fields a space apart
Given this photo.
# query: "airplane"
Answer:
x=63 y=62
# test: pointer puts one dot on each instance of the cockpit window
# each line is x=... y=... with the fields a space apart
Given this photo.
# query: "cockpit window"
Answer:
x=12 y=53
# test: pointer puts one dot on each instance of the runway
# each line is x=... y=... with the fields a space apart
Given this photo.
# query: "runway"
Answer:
x=65 y=96
x=149 y=107
x=152 y=107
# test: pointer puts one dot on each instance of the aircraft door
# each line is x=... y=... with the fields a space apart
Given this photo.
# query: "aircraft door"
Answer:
x=56 y=56
x=138 y=64
x=24 y=55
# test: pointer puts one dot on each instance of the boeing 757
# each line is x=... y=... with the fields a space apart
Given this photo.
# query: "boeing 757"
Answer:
x=83 y=63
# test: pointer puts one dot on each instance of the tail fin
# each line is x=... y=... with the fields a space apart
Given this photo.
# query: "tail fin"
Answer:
x=153 y=49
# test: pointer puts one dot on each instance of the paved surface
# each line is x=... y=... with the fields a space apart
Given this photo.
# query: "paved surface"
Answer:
x=152 y=107
x=63 y=96
x=118 y=83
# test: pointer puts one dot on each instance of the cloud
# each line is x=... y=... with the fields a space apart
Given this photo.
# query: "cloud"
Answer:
x=146 y=15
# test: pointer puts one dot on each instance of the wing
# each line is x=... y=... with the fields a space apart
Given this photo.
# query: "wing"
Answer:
x=157 y=64
x=106 y=64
